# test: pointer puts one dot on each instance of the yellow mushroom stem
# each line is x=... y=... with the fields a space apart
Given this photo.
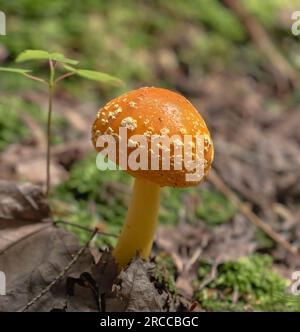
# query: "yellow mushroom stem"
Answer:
x=139 y=228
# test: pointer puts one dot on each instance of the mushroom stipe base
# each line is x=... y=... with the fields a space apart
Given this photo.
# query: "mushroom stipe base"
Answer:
x=140 y=225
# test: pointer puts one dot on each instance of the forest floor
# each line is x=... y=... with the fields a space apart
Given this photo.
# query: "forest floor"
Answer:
x=231 y=244
x=207 y=247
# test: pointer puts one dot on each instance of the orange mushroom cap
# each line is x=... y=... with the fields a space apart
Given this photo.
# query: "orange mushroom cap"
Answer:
x=154 y=111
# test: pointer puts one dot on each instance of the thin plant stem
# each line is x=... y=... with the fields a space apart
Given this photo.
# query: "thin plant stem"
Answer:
x=62 y=77
x=83 y=228
x=51 y=89
x=50 y=103
x=35 y=78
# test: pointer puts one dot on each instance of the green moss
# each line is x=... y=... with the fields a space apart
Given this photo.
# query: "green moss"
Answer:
x=250 y=279
x=165 y=272
x=290 y=301
x=12 y=129
x=171 y=205
x=86 y=181
x=215 y=208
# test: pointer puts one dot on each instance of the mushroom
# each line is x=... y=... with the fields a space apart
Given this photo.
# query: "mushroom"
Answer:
x=149 y=112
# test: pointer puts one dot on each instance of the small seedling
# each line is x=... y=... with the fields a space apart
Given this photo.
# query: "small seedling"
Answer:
x=56 y=61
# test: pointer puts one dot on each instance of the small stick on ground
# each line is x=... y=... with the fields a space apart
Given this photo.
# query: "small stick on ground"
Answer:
x=211 y=277
x=245 y=209
x=61 y=275
x=91 y=230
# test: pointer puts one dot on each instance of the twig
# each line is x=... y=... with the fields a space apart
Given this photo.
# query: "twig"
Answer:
x=235 y=294
x=91 y=230
x=245 y=209
x=193 y=259
x=35 y=78
x=211 y=277
x=61 y=275
x=62 y=77
x=51 y=88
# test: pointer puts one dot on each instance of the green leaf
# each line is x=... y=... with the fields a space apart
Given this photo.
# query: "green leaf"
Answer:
x=15 y=70
x=69 y=68
x=43 y=55
x=32 y=55
x=95 y=75
x=98 y=76
x=61 y=58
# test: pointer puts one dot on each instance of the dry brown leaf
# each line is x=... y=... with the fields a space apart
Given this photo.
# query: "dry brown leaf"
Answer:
x=137 y=291
x=33 y=254
x=22 y=201
x=34 y=170
x=13 y=231
x=105 y=272
x=35 y=261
